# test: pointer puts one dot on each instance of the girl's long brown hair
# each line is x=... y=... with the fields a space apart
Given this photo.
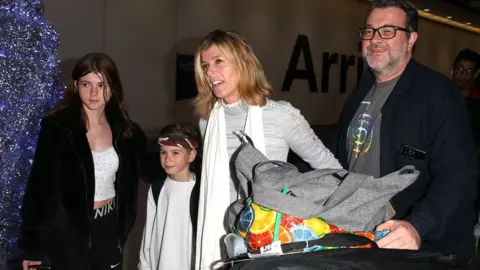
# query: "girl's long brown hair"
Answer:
x=115 y=107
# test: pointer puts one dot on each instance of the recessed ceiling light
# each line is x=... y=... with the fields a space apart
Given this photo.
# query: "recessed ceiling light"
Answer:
x=449 y=17
x=427 y=10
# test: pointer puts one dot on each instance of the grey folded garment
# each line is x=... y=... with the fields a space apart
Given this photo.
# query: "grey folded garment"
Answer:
x=351 y=201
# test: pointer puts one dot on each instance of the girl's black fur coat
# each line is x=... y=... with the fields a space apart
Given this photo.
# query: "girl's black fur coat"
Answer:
x=59 y=195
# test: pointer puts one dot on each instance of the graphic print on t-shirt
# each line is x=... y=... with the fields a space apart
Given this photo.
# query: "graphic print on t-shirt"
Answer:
x=363 y=134
x=361 y=131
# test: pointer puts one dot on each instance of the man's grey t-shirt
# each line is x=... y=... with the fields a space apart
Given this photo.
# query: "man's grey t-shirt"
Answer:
x=363 y=141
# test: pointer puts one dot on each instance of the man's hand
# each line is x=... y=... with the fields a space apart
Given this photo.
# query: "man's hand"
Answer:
x=402 y=235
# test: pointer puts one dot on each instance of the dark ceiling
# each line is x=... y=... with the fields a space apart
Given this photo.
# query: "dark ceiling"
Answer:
x=472 y=5
x=462 y=11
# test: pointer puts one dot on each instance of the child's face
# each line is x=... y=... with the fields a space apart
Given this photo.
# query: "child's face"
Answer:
x=175 y=160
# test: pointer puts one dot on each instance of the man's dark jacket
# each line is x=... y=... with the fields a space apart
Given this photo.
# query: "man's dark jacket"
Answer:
x=427 y=112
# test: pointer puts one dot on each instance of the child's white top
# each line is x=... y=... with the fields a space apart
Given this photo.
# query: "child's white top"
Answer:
x=167 y=237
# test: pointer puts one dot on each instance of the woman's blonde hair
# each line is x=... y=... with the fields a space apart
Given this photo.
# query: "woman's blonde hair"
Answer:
x=253 y=86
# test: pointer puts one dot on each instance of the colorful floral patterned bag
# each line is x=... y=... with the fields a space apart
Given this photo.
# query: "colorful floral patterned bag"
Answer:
x=331 y=208
x=260 y=227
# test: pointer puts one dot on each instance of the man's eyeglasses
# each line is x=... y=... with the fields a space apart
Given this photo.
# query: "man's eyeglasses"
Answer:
x=385 y=32
x=462 y=70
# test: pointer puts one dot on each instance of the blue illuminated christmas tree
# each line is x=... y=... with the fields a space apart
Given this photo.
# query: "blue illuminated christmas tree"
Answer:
x=29 y=86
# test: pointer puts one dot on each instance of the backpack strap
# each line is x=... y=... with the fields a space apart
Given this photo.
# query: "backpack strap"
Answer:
x=157 y=184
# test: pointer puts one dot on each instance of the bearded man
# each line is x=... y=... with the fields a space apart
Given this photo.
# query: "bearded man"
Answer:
x=403 y=113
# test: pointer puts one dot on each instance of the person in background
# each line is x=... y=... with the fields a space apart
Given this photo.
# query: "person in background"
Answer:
x=464 y=68
x=464 y=73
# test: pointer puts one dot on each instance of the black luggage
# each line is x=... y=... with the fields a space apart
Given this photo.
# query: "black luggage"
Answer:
x=354 y=259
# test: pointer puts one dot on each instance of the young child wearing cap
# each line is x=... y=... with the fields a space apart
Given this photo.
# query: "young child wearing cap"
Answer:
x=169 y=233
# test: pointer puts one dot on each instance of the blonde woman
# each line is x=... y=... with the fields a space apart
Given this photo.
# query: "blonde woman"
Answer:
x=234 y=96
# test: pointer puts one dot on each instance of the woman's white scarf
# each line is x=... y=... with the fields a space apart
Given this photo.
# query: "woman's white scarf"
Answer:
x=215 y=182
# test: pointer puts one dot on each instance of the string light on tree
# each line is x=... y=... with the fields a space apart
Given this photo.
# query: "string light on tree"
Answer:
x=29 y=86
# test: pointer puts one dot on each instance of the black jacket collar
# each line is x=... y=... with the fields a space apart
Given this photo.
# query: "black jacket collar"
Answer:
x=391 y=105
x=368 y=80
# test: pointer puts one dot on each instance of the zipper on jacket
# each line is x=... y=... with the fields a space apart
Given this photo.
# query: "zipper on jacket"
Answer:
x=118 y=177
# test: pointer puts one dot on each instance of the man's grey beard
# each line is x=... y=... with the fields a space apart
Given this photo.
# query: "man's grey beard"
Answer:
x=389 y=67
